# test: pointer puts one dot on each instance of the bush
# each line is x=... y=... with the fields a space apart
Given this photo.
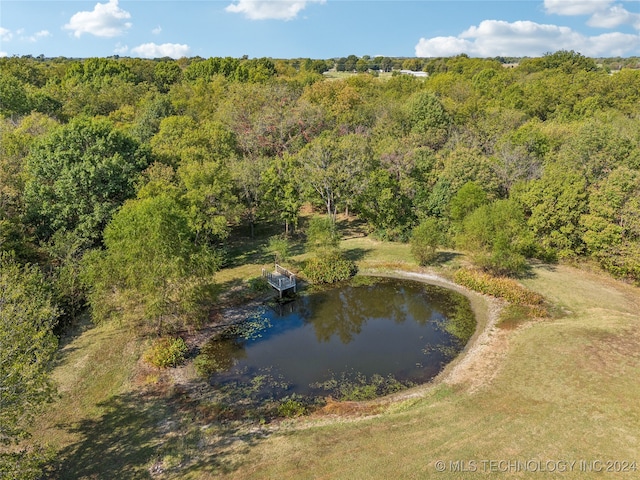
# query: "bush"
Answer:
x=497 y=237
x=258 y=285
x=166 y=352
x=501 y=287
x=329 y=268
x=425 y=240
x=280 y=248
x=291 y=408
x=322 y=235
x=524 y=303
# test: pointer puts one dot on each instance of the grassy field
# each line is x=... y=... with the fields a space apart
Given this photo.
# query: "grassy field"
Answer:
x=555 y=390
x=566 y=391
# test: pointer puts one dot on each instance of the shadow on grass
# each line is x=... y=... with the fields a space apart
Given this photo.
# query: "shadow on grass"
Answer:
x=445 y=257
x=530 y=271
x=353 y=227
x=121 y=443
x=139 y=436
x=355 y=254
x=256 y=251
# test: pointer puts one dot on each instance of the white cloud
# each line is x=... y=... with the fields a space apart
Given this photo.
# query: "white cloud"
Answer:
x=270 y=9
x=614 y=16
x=604 y=13
x=4 y=54
x=576 y=7
x=157 y=30
x=523 y=38
x=121 y=49
x=105 y=20
x=5 y=34
x=151 y=50
x=39 y=35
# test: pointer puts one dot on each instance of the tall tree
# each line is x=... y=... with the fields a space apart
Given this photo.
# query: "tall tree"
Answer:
x=333 y=169
x=152 y=257
x=497 y=237
x=556 y=202
x=27 y=346
x=282 y=191
x=612 y=224
x=384 y=207
x=79 y=175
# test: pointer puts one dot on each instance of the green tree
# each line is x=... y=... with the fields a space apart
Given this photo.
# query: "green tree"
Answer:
x=333 y=169
x=425 y=240
x=282 y=190
x=556 y=203
x=210 y=198
x=612 y=224
x=428 y=119
x=16 y=141
x=384 y=207
x=78 y=176
x=152 y=110
x=202 y=153
x=463 y=165
x=248 y=175
x=100 y=71
x=27 y=347
x=280 y=247
x=497 y=237
x=466 y=200
x=166 y=74
x=14 y=97
x=151 y=256
x=322 y=235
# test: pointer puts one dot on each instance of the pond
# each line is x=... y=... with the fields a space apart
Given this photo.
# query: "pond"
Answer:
x=370 y=337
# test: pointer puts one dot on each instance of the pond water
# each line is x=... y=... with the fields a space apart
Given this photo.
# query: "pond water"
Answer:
x=375 y=334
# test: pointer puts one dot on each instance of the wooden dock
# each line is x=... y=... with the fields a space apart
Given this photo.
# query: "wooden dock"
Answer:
x=281 y=279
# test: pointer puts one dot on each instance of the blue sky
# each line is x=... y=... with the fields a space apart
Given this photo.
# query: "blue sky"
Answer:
x=318 y=28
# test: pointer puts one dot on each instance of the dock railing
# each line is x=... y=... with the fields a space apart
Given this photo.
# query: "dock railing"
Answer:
x=281 y=279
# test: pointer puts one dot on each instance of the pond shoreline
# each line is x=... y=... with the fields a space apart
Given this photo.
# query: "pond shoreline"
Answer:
x=477 y=364
x=472 y=368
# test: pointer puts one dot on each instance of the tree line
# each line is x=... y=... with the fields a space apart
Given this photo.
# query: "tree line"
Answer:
x=121 y=179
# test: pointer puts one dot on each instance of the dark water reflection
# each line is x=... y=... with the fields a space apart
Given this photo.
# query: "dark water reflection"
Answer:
x=399 y=329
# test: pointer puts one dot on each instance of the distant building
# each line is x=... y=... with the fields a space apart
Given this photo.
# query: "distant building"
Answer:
x=414 y=73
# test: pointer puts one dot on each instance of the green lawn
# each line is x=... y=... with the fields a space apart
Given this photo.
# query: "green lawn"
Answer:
x=563 y=389
x=566 y=390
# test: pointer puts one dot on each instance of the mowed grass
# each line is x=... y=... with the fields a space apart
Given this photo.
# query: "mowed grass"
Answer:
x=102 y=425
x=567 y=390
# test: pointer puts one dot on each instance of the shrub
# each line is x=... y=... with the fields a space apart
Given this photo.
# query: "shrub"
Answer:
x=280 y=248
x=166 y=352
x=322 y=235
x=425 y=239
x=501 y=287
x=524 y=303
x=291 y=408
x=329 y=268
x=258 y=285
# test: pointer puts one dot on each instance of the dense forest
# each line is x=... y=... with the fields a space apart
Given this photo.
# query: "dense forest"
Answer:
x=121 y=179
